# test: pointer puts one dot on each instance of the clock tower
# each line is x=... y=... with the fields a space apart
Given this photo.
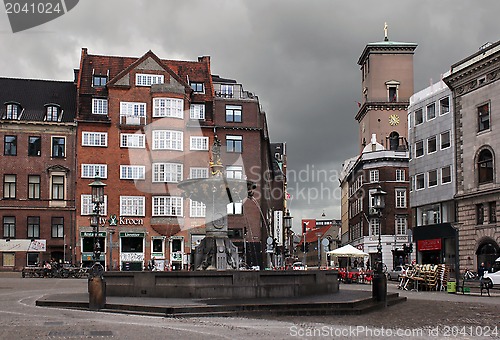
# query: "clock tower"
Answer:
x=387 y=84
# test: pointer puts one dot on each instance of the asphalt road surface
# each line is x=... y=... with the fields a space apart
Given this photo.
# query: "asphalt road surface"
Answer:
x=425 y=315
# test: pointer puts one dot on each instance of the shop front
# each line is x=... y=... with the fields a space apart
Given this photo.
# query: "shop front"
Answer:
x=132 y=251
x=437 y=244
x=177 y=259
x=158 y=252
x=87 y=247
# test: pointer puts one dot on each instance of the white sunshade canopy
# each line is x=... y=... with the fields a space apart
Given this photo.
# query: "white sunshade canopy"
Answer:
x=347 y=251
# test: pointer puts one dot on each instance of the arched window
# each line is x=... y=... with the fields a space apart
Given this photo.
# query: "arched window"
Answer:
x=485 y=166
x=393 y=140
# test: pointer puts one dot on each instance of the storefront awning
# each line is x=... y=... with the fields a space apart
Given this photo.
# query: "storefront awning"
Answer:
x=427 y=232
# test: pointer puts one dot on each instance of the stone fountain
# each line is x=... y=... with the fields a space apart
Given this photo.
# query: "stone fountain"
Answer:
x=216 y=251
x=216 y=258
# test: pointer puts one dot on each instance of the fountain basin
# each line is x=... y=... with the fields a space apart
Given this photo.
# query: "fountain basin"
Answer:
x=222 y=284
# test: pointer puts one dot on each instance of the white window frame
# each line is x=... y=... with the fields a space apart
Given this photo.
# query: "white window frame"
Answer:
x=93 y=170
x=441 y=113
x=435 y=146
x=234 y=111
x=416 y=148
x=420 y=111
x=198 y=172
x=429 y=178
x=441 y=140
x=167 y=206
x=400 y=175
x=132 y=206
x=99 y=106
x=87 y=207
x=142 y=79
x=197 y=209
x=168 y=107
x=197 y=111
x=133 y=140
x=401 y=225
x=227 y=90
x=451 y=175
x=92 y=138
x=400 y=195
x=167 y=172
x=374 y=226
x=134 y=172
x=234 y=139
x=235 y=208
x=198 y=143
x=374 y=176
x=133 y=113
x=427 y=111
x=167 y=140
x=416 y=182
x=234 y=171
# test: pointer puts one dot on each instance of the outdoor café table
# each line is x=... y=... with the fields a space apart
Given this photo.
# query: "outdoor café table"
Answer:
x=416 y=280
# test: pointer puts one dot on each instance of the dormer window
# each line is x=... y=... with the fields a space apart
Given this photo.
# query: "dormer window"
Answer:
x=226 y=90
x=52 y=113
x=13 y=110
x=99 y=81
x=148 y=79
x=197 y=87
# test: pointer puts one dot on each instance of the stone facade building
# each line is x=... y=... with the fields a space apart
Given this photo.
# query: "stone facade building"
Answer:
x=475 y=85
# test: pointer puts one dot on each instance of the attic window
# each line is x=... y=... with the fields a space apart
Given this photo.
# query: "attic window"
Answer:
x=13 y=111
x=197 y=87
x=99 y=81
x=52 y=113
x=148 y=79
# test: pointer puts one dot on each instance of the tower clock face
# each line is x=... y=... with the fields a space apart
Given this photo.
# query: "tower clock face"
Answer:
x=393 y=120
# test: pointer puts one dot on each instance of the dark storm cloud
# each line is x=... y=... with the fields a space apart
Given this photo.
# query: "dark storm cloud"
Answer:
x=299 y=57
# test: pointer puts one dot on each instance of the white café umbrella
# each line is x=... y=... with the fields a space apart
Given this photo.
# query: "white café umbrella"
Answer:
x=347 y=251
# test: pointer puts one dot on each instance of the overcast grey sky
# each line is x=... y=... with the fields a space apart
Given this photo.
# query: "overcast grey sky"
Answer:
x=299 y=57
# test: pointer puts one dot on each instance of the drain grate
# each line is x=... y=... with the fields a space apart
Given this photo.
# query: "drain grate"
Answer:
x=66 y=334
x=101 y=333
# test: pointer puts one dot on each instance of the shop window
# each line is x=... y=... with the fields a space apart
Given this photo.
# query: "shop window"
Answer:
x=33 y=259
x=132 y=244
x=157 y=245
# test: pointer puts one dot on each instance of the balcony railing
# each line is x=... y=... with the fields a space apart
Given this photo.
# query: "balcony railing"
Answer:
x=132 y=120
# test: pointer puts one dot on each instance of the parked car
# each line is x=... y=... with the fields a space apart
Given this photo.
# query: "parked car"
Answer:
x=493 y=278
x=396 y=272
x=299 y=266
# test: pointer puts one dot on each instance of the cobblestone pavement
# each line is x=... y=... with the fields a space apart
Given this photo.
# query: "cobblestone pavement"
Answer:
x=436 y=315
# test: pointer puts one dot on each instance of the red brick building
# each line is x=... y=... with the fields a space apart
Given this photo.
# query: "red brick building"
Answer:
x=145 y=124
x=37 y=207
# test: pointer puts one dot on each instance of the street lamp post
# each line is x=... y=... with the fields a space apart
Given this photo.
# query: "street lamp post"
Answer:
x=96 y=284
x=379 y=288
x=287 y=244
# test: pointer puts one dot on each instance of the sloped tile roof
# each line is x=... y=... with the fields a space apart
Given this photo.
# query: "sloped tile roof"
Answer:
x=34 y=94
